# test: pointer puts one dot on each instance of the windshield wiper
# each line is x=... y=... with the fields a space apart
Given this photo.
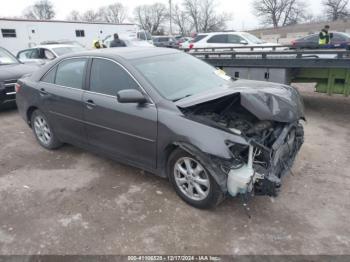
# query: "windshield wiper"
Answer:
x=177 y=99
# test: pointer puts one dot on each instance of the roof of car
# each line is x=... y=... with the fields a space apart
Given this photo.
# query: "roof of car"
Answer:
x=53 y=46
x=129 y=53
x=223 y=33
x=163 y=36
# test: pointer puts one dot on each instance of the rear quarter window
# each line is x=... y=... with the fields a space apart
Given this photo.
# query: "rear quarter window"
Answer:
x=49 y=77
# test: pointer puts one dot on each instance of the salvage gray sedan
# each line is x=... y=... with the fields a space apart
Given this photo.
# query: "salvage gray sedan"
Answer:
x=171 y=114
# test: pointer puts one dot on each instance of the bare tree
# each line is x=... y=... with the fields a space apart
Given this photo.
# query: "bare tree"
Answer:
x=193 y=10
x=114 y=13
x=181 y=20
x=210 y=20
x=90 y=16
x=336 y=9
x=150 y=17
x=203 y=15
x=279 y=12
x=74 y=16
x=41 y=10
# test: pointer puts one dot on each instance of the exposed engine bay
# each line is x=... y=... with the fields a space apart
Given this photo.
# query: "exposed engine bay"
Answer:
x=272 y=145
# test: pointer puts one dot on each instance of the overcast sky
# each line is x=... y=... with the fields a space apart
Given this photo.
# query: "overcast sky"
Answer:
x=243 y=17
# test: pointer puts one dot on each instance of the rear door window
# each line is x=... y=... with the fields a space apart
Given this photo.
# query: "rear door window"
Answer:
x=312 y=38
x=338 y=38
x=163 y=39
x=218 y=39
x=71 y=72
x=109 y=78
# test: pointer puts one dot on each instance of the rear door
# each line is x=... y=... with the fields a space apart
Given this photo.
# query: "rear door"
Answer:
x=311 y=42
x=124 y=130
x=61 y=91
x=219 y=40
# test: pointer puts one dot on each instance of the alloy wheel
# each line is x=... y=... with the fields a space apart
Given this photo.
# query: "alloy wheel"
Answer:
x=191 y=178
x=42 y=130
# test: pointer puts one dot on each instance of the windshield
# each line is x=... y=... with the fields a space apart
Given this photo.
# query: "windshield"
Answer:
x=177 y=76
x=6 y=58
x=67 y=49
x=252 y=39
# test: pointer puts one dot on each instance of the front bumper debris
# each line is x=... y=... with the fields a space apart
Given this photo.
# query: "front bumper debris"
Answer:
x=258 y=179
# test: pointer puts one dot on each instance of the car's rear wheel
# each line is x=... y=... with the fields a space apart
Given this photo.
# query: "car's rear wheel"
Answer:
x=43 y=131
x=192 y=181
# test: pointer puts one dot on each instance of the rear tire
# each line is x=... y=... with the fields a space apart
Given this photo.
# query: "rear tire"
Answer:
x=43 y=131
x=192 y=181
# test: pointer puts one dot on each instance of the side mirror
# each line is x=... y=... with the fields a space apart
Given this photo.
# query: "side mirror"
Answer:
x=131 y=96
x=243 y=42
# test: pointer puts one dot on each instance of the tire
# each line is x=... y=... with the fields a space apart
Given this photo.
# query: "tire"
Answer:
x=184 y=185
x=43 y=131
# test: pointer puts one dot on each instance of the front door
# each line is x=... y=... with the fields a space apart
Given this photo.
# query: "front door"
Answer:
x=124 y=130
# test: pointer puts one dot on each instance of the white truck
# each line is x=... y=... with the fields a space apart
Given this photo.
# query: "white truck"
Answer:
x=19 y=34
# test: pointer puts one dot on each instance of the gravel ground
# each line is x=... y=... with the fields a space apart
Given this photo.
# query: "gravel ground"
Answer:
x=70 y=201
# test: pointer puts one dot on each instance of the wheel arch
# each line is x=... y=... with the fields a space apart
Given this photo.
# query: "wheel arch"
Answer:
x=29 y=113
x=213 y=167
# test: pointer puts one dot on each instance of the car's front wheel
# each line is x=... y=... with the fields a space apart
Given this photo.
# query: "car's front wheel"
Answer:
x=192 y=181
x=43 y=131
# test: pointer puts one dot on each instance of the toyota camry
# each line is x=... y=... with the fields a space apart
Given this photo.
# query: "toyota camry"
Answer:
x=171 y=114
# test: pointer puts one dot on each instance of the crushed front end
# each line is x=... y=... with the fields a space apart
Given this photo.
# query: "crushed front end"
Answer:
x=268 y=158
x=269 y=120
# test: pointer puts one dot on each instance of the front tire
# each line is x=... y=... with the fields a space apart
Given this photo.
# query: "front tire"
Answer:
x=192 y=181
x=43 y=131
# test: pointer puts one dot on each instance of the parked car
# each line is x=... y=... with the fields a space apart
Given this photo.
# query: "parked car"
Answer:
x=187 y=45
x=183 y=40
x=165 y=41
x=227 y=40
x=44 y=53
x=339 y=40
x=10 y=71
x=171 y=114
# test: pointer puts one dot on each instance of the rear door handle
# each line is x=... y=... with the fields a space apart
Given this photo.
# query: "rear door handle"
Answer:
x=90 y=104
x=43 y=92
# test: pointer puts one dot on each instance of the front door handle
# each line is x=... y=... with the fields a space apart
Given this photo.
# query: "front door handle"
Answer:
x=43 y=92
x=90 y=104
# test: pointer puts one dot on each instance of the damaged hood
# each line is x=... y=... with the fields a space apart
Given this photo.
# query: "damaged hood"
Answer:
x=265 y=100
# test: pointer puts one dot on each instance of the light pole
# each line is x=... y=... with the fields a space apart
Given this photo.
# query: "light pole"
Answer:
x=170 y=18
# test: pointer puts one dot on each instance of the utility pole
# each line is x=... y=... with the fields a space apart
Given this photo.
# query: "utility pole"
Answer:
x=170 y=18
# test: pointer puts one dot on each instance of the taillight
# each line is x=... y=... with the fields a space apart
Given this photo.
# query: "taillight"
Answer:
x=191 y=46
x=17 y=87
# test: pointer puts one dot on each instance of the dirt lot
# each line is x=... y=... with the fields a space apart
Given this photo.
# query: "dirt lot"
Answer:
x=73 y=202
